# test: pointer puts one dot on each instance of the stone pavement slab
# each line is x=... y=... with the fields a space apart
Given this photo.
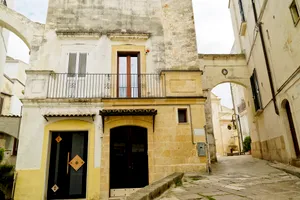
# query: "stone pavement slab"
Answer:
x=238 y=178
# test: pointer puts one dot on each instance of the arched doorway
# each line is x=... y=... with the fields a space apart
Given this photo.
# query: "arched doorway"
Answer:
x=292 y=127
x=128 y=158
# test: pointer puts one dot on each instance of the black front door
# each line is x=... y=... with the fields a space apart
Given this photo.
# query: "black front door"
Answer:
x=128 y=157
x=68 y=165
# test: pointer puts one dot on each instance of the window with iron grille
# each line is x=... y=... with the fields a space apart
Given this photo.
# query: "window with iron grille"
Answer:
x=255 y=91
x=242 y=11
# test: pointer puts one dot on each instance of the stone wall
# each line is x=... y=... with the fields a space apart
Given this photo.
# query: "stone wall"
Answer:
x=170 y=145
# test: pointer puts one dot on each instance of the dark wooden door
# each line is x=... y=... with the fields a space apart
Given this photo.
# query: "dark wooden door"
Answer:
x=292 y=128
x=68 y=165
x=128 y=157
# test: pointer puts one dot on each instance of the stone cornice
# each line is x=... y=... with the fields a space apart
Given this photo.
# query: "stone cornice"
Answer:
x=78 y=34
x=30 y=71
x=128 y=36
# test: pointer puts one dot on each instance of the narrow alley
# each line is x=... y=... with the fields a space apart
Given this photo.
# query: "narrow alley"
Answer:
x=235 y=178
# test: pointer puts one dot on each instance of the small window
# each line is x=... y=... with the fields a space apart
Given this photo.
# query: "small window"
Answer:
x=77 y=64
x=242 y=11
x=256 y=92
x=294 y=12
x=182 y=116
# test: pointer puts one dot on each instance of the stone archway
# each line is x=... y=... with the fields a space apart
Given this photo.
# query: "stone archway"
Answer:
x=218 y=69
x=23 y=27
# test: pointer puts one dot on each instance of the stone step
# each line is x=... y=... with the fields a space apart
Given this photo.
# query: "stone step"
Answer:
x=157 y=188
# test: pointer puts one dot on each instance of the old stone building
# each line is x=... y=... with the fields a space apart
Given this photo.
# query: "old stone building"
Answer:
x=267 y=32
x=10 y=106
x=113 y=100
x=225 y=131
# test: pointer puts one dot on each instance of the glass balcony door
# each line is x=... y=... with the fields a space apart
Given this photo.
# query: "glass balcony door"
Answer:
x=76 y=82
x=128 y=75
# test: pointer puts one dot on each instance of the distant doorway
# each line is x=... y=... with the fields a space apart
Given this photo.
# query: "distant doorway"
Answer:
x=292 y=128
x=128 y=157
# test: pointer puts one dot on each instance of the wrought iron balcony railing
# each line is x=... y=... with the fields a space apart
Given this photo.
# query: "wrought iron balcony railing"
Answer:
x=66 y=85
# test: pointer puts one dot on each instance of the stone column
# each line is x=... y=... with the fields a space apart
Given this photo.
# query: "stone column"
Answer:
x=3 y=51
x=209 y=127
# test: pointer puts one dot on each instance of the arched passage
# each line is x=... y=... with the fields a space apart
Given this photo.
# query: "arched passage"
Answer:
x=238 y=116
x=20 y=25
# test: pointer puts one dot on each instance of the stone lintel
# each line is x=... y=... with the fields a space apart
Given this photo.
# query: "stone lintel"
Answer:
x=197 y=70
x=128 y=36
x=78 y=34
x=221 y=56
x=30 y=71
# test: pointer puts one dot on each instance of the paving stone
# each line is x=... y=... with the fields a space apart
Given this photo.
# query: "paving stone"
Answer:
x=229 y=197
x=239 y=178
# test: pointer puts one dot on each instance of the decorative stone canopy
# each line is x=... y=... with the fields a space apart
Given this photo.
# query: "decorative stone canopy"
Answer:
x=128 y=112
x=10 y=124
x=46 y=116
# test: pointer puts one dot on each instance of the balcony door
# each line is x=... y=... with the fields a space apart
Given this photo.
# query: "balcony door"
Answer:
x=128 y=75
x=76 y=81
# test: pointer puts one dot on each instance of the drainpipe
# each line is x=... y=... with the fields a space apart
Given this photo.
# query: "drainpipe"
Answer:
x=267 y=62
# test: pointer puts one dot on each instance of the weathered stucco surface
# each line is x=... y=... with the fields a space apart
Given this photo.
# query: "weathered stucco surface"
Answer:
x=271 y=134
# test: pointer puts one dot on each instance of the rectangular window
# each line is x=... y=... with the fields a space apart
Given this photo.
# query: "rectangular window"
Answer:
x=182 y=115
x=128 y=75
x=77 y=64
x=242 y=11
x=255 y=91
x=294 y=12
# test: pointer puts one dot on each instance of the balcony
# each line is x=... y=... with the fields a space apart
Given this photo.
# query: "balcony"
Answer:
x=66 y=85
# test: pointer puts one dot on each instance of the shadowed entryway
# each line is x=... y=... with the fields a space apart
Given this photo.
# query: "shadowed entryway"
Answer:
x=128 y=157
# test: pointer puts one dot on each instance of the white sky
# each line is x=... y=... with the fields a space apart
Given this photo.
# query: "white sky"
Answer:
x=212 y=21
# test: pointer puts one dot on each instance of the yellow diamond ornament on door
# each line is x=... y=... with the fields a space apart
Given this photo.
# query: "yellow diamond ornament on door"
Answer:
x=54 y=188
x=58 y=139
x=76 y=163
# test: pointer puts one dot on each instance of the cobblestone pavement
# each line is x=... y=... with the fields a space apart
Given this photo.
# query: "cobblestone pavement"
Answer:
x=237 y=178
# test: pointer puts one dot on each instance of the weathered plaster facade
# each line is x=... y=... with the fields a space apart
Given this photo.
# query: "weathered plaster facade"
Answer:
x=281 y=38
x=162 y=34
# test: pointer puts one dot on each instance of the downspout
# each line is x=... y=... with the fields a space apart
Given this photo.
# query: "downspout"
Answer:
x=267 y=62
x=192 y=128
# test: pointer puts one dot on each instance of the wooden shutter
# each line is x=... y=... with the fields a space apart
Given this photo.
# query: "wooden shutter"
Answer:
x=242 y=10
x=72 y=64
x=255 y=91
x=82 y=64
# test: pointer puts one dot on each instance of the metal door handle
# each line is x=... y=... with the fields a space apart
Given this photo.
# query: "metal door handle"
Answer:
x=68 y=160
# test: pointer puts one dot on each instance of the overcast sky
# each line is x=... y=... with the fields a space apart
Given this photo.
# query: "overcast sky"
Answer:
x=212 y=21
